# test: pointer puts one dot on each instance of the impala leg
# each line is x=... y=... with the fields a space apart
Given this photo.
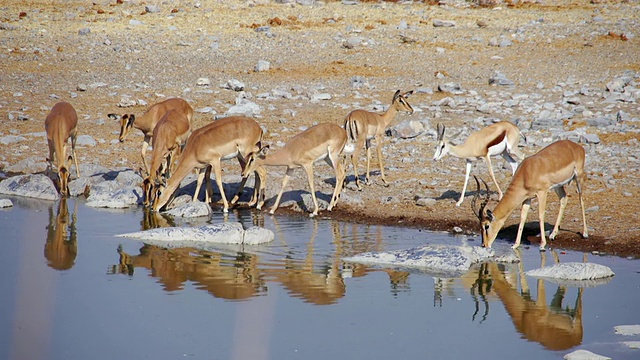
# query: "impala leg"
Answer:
x=542 y=205
x=585 y=232
x=512 y=162
x=50 y=160
x=217 y=170
x=143 y=152
x=208 y=193
x=340 y=174
x=366 y=175
x=563 y=204
x=523 y=218
x=73 y=153
x=354 y=160
x=201 y=175
x=309 y=170
x=260 y=188
x=236 y=197
x=466 y=180
x=493 y=176
x=379 y=150
x=284 y=183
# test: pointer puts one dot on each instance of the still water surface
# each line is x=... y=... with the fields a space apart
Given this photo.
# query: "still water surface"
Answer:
x=71 y=289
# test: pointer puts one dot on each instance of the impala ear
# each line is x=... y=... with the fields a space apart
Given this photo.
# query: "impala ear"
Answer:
x=395 y=96
x=440 y=131
x=131 y=120
x=407 y=94
x=264 y=150
x=490 y=216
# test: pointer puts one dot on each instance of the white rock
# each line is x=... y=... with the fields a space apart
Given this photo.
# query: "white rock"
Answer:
x=627 y=329
x=573 y=271
x=5 y=203
x=190 y=210
x=584 y=355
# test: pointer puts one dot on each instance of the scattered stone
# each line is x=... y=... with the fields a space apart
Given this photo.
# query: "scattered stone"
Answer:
x=191 y=210
x=84 y=31
x=500 y=79
x=235 y=85
x=262 y=66
x=584 y=355
x=627 y=330
x=443 y=23
x=37 y=186
x=5 y=203
x=203 y=82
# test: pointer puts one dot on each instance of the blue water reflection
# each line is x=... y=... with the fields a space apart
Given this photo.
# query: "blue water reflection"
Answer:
x=71 y=289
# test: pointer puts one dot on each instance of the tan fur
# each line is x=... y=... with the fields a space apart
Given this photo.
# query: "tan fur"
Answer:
x=324 y=141
x=61 y=124
x=207 y=146
x=148 y=121
x=363 y=126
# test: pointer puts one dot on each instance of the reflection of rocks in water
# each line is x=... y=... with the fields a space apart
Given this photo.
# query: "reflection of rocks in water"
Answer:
x=61 y=247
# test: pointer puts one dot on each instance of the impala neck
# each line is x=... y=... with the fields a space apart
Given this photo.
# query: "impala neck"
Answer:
x=388 y=115
x=513 y=197
x=281 y=157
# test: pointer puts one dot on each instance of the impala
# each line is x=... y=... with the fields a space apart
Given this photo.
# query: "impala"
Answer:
x=363 y=126
x=555 y=325
x=148 y=121
x=61 y=124
x=168 y=136
x=224 y=139
x=501 y=138
x=324 y=141
x=551 y=168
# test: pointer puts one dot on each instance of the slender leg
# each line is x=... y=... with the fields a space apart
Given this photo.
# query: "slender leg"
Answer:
x=466 y=180
x=493 y=177
x=217 y=170
x=73 y=152
x=201 y=176
x=542 y=205
x=284 y=183
x=354 y=160
x=340 y=174
x=208 y=193
x=243 y=163
x=379 y=151
x=585 y=231
x=309 y=170
x=145 y=145
x=367 y=174
x=563 y=203
x=523 y=218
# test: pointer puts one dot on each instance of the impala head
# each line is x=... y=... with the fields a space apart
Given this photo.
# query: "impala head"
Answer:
x=155 y=193
x=254 y=160
x=489 y=225
x=400 y=101
x=441 y=147
x=63 y=178
x=126 y=123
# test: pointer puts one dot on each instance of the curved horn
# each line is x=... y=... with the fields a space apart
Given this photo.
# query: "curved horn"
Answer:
x=485 y=201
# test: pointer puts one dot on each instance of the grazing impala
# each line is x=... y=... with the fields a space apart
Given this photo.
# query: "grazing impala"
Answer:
x=231 y=137
x=168 y=136
x=363 y=126
x=551 y=168
x=324 y=141
x=148 y=121
x=60 y=125
x=501 y=138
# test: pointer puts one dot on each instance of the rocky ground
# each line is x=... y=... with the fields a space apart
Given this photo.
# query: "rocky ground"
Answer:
x=558 y=69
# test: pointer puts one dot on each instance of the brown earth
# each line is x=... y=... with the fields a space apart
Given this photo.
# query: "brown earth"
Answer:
x=44 y=59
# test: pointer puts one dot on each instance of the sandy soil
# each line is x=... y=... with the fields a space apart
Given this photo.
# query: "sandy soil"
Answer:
x=128 y=52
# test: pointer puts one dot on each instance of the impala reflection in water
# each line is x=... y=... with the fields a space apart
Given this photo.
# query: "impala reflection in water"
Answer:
x=285 y=299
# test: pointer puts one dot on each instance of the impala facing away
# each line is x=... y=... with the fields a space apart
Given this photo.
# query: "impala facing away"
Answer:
x=363 y=126
x=169 y=135
x=60 y=125
x=501 y=138
x=224 y=139
x=324 y=141
x=551 y=168
x=148 y=121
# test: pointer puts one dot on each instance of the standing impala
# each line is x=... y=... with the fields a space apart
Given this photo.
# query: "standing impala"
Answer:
x=148 y=121
x=168 y=136
x=60 y=125
x=324 y=141
x=363 y=126
x=501 y=138
x=224 y=139
x=551 y=168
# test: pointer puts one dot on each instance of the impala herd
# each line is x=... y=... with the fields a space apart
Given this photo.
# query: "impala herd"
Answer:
x=167 y=127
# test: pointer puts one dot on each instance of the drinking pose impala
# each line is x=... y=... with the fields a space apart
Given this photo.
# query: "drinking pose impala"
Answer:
x=148 y=121
x=168 y=136
x=324 y=141
x=61 y=124
x=235 y=136
x=363 y=126
x=501 y=138
x=551 y=168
